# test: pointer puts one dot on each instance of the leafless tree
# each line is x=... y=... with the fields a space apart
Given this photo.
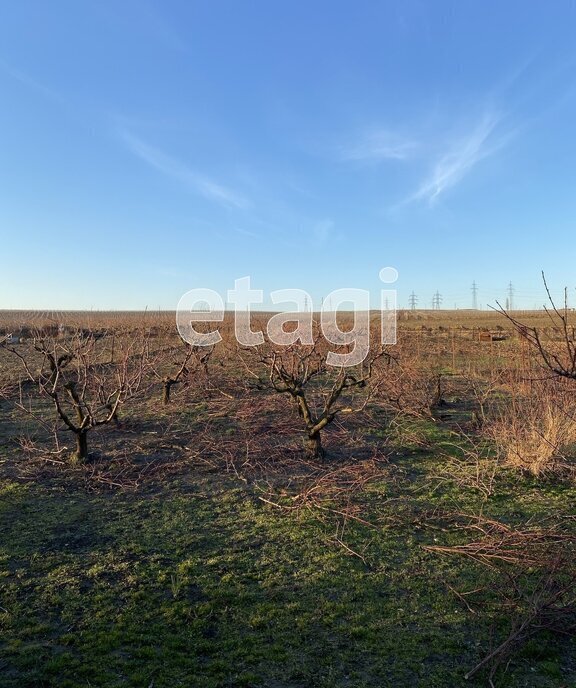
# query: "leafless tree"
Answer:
x=557 y=357
x=192 y=359
x=409 y=389
x=85 y=392
x=294 y=369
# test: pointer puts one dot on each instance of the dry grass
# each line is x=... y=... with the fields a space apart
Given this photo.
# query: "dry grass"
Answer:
x=537 y=432
x=534 y=566
x=224 y=461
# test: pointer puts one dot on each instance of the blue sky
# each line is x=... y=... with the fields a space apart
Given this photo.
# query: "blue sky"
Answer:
x=149 y=147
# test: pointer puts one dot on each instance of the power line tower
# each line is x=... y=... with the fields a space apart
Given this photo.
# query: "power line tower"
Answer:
x=510 y=298
x=474 y=296
x=412 y=301
x=436 y=301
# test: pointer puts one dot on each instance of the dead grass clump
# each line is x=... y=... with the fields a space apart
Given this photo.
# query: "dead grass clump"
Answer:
x=472 y=465
x=537 y=433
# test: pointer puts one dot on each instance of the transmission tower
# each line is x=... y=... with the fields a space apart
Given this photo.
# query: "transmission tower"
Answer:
x=510 y=296
x=412 y=300
x=474 y=296
x=436 y=301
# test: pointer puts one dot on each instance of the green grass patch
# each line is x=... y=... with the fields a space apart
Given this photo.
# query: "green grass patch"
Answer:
x=197 y=582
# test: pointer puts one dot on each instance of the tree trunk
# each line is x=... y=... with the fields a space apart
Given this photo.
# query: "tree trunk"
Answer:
x=82 y=445
x=313 y=446
x=167 y=390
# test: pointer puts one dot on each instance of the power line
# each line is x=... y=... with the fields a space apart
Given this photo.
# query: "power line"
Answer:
x=412 y=301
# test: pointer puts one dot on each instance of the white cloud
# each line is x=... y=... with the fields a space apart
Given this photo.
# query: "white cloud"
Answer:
x=380 y=145
x=199 y=183
x=246 y=232
x=462 y=156
x=27 y=80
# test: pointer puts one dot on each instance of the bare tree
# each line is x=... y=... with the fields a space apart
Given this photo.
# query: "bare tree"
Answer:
x=85 y=392
x=192 y=359
x=559 y=357
x=293 y=371
x=409 y=389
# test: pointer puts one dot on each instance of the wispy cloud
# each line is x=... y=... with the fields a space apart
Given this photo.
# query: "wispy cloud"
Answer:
x=32 y=83
x=196 y=181
x=377 y=145
x=462 y=156
x=246 y=232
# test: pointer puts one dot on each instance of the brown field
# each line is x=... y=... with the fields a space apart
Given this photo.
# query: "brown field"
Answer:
x=442 y=497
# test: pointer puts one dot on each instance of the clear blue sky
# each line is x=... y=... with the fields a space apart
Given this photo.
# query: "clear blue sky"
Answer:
x=148 y=147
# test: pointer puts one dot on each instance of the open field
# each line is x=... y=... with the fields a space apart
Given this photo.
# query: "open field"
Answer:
x=471 y=319
x=200 y=543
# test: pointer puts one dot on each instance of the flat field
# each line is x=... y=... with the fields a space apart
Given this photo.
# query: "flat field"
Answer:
x=199 y=545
